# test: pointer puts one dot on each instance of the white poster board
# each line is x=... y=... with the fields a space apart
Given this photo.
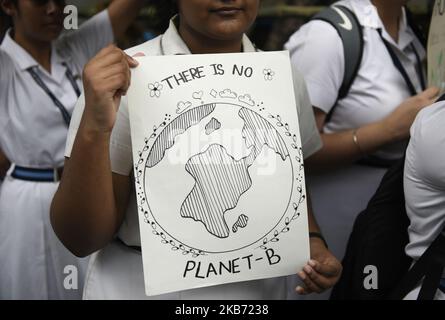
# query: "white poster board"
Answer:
x=218 y=169
x=436 y=47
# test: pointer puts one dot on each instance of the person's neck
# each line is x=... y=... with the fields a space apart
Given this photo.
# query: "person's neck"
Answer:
x=390 y=13
x=39 y=50
x=199 y=44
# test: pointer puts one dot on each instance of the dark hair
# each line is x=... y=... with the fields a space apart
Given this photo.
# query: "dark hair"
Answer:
x=164 y=11
x=169 y=8
x=5 y=19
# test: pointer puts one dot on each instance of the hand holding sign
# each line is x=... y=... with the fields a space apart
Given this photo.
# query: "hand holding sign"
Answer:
x=321 y=272
x=106 y=79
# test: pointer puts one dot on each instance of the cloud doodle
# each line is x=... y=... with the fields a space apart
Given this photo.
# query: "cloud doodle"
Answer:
x=227 y=93
x=182 y=106
x=247 y=99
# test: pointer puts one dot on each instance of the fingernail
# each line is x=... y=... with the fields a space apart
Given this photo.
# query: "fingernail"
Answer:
x=139 y=54
x=307 y=269
x=312 y=263
x=132 y=59
x=299 y=289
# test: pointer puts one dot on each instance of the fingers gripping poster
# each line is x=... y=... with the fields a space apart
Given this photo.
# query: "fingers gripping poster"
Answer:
x=219 y=170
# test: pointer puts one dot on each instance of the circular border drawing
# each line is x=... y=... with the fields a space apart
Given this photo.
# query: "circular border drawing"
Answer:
x=272 y=236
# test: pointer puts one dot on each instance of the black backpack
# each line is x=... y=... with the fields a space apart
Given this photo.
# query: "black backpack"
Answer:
x=379 y=238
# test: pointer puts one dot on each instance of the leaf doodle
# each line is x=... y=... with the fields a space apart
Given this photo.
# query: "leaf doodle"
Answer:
x=301 y=197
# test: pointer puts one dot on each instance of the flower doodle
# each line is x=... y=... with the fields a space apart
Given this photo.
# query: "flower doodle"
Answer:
x=268 y=74
x=155 y=89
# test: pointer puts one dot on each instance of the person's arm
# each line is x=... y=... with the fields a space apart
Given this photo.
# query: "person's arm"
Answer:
x=122 y=14
x=323 y=270
x=99 y=31
x=424 y=179
x=317 y=51
x=5 y=81
x=89 y=206
x=340 y=148
x=4 y=165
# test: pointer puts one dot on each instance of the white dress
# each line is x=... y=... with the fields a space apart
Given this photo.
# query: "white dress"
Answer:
x=115 y=272
x=338 y=196
x=33 y=262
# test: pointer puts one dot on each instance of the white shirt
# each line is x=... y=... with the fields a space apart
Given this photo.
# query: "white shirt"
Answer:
x=32 y=130
x=424 y=180
x=317 y=51
x=120 y=146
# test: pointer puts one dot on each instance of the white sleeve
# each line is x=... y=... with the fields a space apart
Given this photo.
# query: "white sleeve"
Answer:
x=310 y=136
x=120 y=143
x=424 y=179
x=6 y=71
x=6 y=79
x=317 y=52
x=76 y=117
x=92 y=36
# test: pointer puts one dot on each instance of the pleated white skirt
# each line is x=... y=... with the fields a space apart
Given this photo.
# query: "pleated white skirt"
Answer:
x=34 y=264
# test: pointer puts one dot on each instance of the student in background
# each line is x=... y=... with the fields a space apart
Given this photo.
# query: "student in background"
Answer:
x=424 y=184
x=40 y=81
x=369 y=128
x=95 y=210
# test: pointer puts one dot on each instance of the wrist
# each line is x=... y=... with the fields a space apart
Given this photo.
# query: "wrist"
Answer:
x=93 y=125
x=91 y=132
x=318 y=237
x=388 y=131
x=356 y=142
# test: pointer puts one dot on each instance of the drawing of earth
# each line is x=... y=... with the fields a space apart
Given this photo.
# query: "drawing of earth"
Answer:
x=218 y=178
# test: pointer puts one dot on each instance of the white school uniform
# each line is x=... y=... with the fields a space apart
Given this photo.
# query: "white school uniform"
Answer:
x=33 y=135
x=424 y=183
x=317 y=51
x=115 y=272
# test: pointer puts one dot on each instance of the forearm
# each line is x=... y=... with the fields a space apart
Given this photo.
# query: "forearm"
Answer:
x=340 y=149
x=84 y=212
x=315 y=241
x=122 y=13
x=4 y=164
x=313 y=225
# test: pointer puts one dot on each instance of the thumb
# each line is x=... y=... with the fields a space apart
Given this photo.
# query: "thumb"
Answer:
x=431 y=93
x=133 y=63
x=327 y=269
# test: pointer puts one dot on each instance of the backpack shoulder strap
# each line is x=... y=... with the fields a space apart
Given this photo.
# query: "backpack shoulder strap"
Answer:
x=418 y=32
x=429 y=267
x=348 y=27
